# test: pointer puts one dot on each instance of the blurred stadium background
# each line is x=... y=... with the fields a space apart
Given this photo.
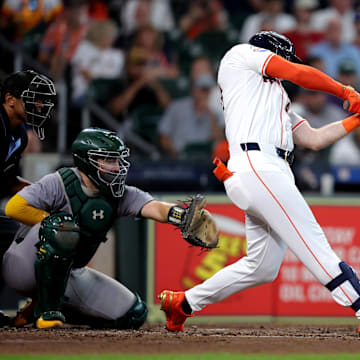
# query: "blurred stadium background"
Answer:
x=147 y=70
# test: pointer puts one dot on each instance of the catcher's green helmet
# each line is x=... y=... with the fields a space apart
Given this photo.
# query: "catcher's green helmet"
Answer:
x=61 y=230
x=101 y=155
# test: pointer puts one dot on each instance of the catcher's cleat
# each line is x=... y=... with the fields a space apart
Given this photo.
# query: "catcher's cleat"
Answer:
x=25 y=315
x=50 y=320
x=171 y=304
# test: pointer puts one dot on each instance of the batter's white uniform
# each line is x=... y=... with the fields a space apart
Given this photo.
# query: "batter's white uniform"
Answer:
x=258 y=110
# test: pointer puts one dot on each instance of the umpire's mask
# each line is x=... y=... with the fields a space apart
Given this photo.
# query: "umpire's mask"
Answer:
x=38 y=94
x=39 y=99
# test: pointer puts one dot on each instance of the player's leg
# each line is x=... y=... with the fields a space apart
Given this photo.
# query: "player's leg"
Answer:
x=98 y=300
x=39 y=266
x=19 y=272
x=8 y=228
x=89 y=292
x=265 y=252
x=18 y=263
x=289 y=215
x=261 y=265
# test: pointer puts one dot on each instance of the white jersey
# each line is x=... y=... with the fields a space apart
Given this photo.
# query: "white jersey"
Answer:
x=256 y=108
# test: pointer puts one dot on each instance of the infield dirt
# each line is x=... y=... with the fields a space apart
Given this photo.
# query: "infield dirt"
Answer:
x=154 y=339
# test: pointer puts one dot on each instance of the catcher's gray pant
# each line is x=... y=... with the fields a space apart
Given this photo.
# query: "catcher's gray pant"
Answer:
x=88 y=291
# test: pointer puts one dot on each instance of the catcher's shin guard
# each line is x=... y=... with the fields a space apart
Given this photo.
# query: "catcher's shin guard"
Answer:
x=171 y=304
x=59 y=236
x=135 y=316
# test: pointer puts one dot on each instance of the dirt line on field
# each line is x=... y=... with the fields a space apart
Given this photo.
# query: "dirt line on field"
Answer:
x=154 y=339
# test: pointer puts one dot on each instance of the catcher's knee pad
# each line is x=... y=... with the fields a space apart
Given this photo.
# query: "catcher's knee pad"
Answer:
x=60 y=233
x=58 y=238
x=350 y=295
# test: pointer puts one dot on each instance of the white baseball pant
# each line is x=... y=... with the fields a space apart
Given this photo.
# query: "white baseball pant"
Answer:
x=277 y=217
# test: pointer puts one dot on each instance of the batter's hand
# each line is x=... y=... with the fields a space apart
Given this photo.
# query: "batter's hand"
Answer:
x=352 y=100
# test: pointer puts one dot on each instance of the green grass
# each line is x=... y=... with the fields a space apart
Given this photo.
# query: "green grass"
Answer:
x=219 y=356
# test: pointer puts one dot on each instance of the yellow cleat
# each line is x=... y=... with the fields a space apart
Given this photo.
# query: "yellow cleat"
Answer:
x=50 y=320
x=48 y=324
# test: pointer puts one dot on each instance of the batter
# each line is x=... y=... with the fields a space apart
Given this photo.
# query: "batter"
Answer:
x=261 y=130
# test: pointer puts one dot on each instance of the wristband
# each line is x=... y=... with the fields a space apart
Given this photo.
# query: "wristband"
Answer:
x=176 y=215
x=351 y=123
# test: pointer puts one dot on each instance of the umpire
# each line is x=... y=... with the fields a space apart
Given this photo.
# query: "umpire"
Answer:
x=27 y=98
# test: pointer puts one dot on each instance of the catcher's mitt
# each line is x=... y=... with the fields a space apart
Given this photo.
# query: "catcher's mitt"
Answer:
x=197 y=225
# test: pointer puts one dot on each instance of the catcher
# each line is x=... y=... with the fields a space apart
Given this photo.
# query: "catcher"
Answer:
x=66 y=216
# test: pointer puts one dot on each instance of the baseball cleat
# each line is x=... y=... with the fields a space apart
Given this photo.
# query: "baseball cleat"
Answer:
x=25 y=315
x=50 y=320
x=171 y=304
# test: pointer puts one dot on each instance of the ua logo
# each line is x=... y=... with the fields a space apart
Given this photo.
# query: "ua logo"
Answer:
x=98 y=214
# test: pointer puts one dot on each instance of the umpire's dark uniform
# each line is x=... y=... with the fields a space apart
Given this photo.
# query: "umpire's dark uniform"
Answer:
x=25 y=97
x=11 y=146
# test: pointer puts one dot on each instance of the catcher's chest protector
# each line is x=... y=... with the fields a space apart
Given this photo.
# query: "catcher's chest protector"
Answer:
x=95 y=215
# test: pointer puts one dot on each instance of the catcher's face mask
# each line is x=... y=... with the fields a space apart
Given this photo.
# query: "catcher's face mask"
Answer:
x=112 y=168
x=39 y=101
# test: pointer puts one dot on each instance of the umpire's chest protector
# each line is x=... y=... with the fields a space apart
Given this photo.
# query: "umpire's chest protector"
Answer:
x=95 y=215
